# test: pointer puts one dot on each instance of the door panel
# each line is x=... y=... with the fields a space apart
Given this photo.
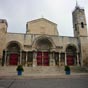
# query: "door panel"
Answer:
x=70 y=60
x=13 y=59
x=39 y=58
x=45 y=59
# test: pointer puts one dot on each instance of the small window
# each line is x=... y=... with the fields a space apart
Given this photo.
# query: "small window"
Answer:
x=82 y=24
x=75 y=27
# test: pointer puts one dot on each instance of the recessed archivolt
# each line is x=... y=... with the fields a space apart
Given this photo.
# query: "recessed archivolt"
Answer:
x=72 y=47
x=43 y=42
x=13 y=44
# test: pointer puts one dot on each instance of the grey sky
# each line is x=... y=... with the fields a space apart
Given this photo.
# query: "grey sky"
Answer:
x=18 y=12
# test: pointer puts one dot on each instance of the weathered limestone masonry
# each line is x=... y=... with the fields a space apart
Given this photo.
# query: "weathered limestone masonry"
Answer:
x=3 y=32
x=80 y=31
x=84 y=50
x=42 y=45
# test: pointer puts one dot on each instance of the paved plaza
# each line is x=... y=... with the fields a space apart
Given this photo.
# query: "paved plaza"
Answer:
x=69 y=82
x=32 y=78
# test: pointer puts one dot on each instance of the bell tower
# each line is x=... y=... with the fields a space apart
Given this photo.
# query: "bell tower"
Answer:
x=79 y=22
x=80 y=32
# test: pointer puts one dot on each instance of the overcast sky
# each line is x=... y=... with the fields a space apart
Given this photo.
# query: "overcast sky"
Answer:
x=18 y=12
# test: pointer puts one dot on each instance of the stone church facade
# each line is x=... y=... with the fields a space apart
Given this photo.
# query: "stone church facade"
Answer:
x=41 y=45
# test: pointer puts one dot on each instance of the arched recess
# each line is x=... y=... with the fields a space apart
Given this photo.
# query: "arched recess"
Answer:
x=71 y=54
x=43 y=45
x=13 y=53
x=43 y=42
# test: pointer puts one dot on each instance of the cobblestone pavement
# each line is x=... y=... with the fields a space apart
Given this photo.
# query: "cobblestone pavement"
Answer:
x=73 y=82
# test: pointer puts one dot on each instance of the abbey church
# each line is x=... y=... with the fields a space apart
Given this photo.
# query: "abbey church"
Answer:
x=41 y=45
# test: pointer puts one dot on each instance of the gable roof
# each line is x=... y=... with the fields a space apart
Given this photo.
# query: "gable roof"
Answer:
x=42 y=19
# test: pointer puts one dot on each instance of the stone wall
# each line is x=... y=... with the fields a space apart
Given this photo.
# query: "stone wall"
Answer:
x=3 y=31
x=84 y=50
x=42 y=26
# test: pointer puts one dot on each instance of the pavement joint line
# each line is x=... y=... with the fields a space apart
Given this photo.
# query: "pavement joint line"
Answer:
x=11 y=83
x=38 y=77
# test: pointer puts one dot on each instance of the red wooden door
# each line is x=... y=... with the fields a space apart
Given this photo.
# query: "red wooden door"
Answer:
x=46 y=59
x=70 y=60
x=13 y=59
x=39 y=58
x=43 y=58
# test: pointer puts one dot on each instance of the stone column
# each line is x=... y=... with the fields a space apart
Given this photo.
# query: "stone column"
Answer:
x=52 y=61
x=53 y=58
x=20 y=57
x=8 y=59
x=5 y=57
x=65 y=59
x=77 y=60
x=34 y=59
x=26 y=57
x=59 y=59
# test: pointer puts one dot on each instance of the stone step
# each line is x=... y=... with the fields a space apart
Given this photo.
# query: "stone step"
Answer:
x=38 y=70
x=34 y=70
x=79 y=69
x=43 y=69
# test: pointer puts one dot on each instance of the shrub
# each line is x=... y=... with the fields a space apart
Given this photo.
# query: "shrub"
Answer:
x=67 y=68
x=20 y=68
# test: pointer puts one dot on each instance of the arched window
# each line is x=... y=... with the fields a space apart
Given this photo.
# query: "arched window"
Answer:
x=82 y=24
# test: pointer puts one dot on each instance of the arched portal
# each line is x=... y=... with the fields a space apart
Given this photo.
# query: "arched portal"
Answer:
x=43 y=46
x=13 y=53
x=71 y=52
